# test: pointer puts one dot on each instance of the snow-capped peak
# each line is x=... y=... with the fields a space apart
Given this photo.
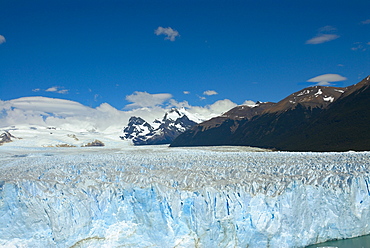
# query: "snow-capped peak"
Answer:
x=160 y=131
x=173 y=114
x=176 y=113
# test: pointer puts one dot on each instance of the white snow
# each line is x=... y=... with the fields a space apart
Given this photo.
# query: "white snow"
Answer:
x=173 y=115
x=328 y=99
x=191 y=116
x=319 y=92
x=185 y=197
x=305 y=92
x=40 y=136
x=341 y=91
x=250 y=104
x=144 y=130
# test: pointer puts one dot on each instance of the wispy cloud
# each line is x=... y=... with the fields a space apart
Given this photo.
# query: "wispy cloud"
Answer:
x=325 y=34
x=360 y=46
x=55 y=89
x=210 y=93
x=2 y=39
x=186 y=92
x=145 y=99
x=366 y=21
x=322 y=38
x=326 y=79
x=327 y=29
x=170 y=33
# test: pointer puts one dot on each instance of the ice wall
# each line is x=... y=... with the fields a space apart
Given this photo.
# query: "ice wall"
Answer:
x=161 y=197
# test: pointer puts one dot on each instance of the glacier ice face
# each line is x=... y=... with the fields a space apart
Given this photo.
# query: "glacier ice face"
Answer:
x=181 y=197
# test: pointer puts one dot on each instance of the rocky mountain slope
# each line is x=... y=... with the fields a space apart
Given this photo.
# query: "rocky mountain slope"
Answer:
x=316 y=118
x=164 y=131
x=6 y=137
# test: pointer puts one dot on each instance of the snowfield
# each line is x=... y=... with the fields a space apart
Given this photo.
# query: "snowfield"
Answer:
x=155 y=196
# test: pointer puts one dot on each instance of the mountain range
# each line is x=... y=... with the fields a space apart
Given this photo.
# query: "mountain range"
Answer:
x=317 y=118
x=161 y=131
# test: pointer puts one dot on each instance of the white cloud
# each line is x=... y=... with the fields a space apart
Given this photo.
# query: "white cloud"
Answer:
x=169 y=32
x=63 y=91
x=327 y=29
x=144 y=99
x=326 y=79
x=71 y=115
x=323 y=83
x=359 y=46
x=44 y=105
x=55 y=89
x=212 y=110
x=325 y=34
x=322 y=38
x=210 y=93
x=186 y=92
x=249 y=103
x=176 y=104
x=2 y=39
x=366 y=21
x=52 y=89
x=68 y=115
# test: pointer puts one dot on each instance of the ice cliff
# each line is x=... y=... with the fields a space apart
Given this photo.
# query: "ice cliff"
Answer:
x=162 y=197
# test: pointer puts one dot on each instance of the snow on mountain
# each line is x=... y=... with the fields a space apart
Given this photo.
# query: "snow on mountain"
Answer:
x=316 y=118
x=22 y=136
x=6 y=137
x=311 y=97
x=160 y=131
x=160 y=197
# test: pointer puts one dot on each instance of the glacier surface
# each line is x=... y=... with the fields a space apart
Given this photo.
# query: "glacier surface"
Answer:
x=180 y=197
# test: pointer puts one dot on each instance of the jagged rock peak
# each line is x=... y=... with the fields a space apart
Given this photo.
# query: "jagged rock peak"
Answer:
x=160 y=131
x=136 y=120
x=173 y=114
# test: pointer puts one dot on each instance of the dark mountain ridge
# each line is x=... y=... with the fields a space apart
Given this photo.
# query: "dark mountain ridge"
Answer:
x=316 y=118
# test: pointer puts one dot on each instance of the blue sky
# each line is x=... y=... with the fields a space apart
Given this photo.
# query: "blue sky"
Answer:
x=200 y=51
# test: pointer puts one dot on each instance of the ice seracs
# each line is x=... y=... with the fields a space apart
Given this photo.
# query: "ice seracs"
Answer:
x=160 y=197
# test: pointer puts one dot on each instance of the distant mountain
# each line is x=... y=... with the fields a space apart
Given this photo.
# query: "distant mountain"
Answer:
x=316 y=118
x=164 y=131
x=6 y=137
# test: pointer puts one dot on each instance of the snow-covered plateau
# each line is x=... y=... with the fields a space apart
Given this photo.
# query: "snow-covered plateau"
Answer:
x=158 y=196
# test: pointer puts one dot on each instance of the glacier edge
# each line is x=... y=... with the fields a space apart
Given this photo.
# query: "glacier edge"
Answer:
x=183 y=199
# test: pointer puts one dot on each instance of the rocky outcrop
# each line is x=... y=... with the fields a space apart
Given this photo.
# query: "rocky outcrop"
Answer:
x=94 y=143
x=6 y=137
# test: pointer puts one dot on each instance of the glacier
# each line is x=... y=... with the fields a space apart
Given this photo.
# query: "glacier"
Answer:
x=180 y=197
